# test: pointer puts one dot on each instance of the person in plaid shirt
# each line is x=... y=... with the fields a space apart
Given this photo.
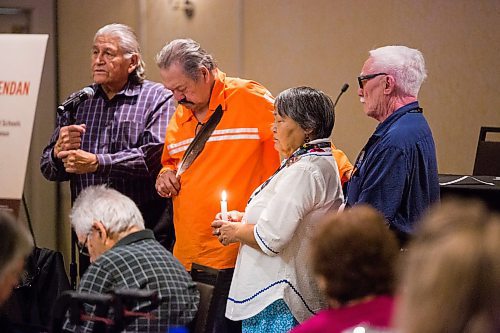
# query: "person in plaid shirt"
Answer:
x=117 y=136
x=125 y=255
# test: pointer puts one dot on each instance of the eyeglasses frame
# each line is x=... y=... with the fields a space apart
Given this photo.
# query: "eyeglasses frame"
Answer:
x=367 y=77
x=83 y=250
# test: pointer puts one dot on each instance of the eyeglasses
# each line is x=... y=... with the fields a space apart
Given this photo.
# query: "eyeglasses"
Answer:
x=84 y=251
x=367 y=77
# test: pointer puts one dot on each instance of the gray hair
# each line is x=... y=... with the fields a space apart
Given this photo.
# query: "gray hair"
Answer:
x=114 y=210
x=405 y=64
x=129 y=45
x=310 y=108
x=15 y=242
x=188 y=54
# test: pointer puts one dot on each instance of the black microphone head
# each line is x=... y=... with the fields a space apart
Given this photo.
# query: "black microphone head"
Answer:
x=342 y=90
x=75 y=99
x=89 y=92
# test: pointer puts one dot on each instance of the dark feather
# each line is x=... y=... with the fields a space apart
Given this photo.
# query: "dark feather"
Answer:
x=198 y=143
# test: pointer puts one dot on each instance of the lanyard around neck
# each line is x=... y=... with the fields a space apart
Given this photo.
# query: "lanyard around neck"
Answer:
x=374 y=139
x=304 y=149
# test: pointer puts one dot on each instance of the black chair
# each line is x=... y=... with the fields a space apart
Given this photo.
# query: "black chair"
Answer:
x=73 y=303
x=213 y=285
x=128 y=299
x=204 y=317
x=112 y=312
x=487 y=161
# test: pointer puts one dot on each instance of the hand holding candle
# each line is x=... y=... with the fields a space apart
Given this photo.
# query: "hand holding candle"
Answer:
x=223 y=206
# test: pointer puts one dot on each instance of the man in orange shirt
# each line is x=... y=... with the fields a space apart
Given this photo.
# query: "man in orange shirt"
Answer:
x=237 y=158
x=343 y=163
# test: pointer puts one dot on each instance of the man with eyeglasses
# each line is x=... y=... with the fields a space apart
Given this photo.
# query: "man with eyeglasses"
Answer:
x=396 y=172
x=125 y=255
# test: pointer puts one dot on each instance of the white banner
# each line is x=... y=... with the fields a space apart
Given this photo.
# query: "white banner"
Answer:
x=21 y=63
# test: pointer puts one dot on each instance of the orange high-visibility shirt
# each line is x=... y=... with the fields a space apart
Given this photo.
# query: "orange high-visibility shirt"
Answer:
x=345 y=167
x=238 y=157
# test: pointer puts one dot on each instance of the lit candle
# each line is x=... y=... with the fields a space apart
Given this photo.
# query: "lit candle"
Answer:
x=223 y=205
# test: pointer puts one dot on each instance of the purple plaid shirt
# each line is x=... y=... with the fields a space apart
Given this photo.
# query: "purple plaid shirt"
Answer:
x=126 y=133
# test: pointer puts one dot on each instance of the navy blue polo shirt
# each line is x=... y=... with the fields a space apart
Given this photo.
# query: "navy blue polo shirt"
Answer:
x=397 y=170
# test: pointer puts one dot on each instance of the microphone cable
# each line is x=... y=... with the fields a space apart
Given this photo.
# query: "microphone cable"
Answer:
x=28 y=218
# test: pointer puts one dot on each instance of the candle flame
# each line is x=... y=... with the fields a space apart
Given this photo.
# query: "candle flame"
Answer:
x=223 y=196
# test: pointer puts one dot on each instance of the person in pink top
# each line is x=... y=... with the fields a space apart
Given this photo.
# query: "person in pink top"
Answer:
x=354 y=257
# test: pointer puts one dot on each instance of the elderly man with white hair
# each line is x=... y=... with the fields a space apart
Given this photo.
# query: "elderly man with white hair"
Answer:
x=125 y=255
x=396 y=172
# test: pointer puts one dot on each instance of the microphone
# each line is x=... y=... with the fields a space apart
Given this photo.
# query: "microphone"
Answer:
x=343 y=90
x=75 y=99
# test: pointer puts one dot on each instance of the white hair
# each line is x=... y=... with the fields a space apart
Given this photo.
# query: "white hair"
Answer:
x=129 y=45
x=406 y=65
x=114 y=210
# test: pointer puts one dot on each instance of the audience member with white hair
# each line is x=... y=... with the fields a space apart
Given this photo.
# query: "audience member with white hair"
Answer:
x=125 y=255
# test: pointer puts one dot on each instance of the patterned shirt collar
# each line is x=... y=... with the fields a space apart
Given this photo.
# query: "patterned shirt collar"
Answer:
x=135 y=237
x=129 y=89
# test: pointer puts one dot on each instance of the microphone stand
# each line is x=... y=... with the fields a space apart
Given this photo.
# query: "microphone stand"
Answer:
x=66 y=110
x=342 y=90
x=73 y=266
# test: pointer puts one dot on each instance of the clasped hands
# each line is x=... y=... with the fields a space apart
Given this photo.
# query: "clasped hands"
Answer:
x=167 y=184
x=226 y=230
x=67 y=149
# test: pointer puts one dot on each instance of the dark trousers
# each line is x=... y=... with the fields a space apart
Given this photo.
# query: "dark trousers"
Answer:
x=222 y=283
x=158 y=216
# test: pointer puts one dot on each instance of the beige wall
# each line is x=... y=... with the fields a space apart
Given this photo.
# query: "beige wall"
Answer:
x=322 y=43
x=39 y=194
x=284 y=43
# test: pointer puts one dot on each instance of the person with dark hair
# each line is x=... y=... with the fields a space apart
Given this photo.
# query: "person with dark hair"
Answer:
x=16 y=245
x=117 y=137
x=396 y=172
x=451 y=273
x=125 y=255
x=237 y=157
x=353 y=257
x=272 y=288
